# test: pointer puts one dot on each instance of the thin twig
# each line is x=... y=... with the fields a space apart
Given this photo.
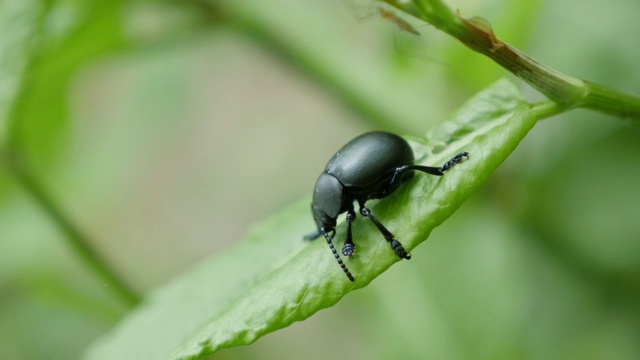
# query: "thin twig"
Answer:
x=567 y=92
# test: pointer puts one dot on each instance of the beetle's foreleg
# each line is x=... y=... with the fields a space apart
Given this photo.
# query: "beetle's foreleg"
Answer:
x=349 y=247
x=396 y=246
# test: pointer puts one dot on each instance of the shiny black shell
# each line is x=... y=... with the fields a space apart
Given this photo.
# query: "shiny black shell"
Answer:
x=368 y=157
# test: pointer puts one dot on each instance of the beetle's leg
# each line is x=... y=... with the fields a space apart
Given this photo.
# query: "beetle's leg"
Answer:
x=426 y=169
x=439 y=171
x=395 y=244
x=397 y=176
x=455 y=160
x=349 y=247
x=335 y=253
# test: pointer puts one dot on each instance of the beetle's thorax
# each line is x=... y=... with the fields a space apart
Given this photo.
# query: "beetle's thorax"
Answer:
x=328 y=197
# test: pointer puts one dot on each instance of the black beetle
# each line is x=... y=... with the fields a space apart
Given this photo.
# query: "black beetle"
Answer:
x=371 y=166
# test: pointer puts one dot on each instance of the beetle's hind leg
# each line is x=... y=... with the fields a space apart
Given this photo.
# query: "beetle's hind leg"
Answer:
x=439 y=171
x=349 y=247
x=396 y=246
x=455 y=160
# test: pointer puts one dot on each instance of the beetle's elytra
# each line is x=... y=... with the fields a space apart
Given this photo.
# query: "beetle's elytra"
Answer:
x=371 y=166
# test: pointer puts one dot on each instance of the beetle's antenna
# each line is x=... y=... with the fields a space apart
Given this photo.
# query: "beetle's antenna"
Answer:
x=335 y=253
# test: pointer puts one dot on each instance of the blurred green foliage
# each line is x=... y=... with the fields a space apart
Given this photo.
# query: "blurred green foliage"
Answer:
x=163 y=129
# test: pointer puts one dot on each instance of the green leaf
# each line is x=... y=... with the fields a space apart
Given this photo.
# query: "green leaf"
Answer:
x=70 y=35
x=18 y=23
x=272 y=278
x=60 y=37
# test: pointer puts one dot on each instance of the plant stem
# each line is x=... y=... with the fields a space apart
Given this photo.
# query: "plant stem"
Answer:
x=75 y=238
x=605 y=99
x=546 y=109
x=567 y=92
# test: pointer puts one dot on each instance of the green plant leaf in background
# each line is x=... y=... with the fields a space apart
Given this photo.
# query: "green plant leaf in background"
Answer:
x=272 y=278
x=65 y=36
x=42 y=45
x=72 y=34
x=19 y=22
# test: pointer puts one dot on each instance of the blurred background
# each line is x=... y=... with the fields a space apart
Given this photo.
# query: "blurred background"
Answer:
x=165 y=129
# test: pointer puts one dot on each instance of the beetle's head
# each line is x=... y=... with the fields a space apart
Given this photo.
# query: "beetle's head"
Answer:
x=327 y=201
